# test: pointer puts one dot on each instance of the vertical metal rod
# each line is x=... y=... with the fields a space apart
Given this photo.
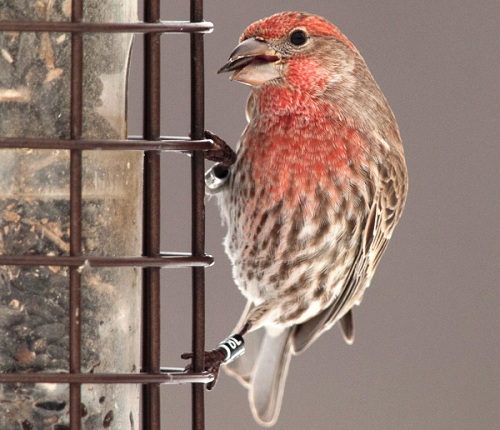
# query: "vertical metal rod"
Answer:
x=198 y=214
x=75 y=215
x=151 y=235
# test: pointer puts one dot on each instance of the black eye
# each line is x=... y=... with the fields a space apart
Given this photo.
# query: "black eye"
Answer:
x=298 y=37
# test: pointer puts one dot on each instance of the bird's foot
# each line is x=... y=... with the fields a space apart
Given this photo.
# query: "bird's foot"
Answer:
x=213 y=360
x=221 y=153
x=227 y=351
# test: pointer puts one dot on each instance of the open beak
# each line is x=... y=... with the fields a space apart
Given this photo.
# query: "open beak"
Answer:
x=253 y=62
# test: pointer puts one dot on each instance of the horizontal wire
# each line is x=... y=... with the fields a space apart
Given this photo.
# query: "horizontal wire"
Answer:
x=108 y=27
x=164 y=144
x=167 y=376
x=170 y=260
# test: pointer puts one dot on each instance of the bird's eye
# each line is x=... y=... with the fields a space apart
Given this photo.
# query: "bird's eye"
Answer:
x=298 y=37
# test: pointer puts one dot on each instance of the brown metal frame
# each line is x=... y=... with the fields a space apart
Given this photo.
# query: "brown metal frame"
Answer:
x=152 y=260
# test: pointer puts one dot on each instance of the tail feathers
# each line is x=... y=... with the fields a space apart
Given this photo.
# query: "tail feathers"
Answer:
x=264 y=366
x=263 y=370
x=269 y=377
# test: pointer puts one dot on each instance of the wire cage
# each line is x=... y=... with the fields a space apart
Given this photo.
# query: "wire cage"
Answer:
x=72 y=255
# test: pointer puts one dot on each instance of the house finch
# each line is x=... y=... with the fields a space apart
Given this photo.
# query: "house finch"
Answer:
x=318 y=185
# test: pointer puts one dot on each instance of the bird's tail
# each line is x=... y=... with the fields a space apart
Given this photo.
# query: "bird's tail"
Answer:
x=263 y=370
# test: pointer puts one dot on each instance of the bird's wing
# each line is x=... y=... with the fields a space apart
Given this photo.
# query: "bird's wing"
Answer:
x=306 y=333
x=249 y=114
x=347 y=325
x=384 y=214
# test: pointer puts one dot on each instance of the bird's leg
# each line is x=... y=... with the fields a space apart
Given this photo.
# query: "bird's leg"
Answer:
x=226 y=351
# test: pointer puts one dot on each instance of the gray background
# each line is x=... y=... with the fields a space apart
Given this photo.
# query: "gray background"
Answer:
x=427 y=349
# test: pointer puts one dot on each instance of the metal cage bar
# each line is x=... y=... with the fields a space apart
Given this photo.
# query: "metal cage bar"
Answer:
x=198 y=213
x=152 y=260
x=75 y=299
x=151 y=236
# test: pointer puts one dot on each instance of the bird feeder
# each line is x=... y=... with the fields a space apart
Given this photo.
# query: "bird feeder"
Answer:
x=80 y=254
x=39 y=100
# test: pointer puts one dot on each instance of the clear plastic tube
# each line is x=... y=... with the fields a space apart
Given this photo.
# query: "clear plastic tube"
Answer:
x=34 y=219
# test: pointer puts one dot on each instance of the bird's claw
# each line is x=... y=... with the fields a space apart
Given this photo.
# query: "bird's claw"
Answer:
x=222 y=152
x=213 y=360
x=224 y=156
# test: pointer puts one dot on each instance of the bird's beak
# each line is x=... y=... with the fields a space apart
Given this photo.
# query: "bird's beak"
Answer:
x=253 y=62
